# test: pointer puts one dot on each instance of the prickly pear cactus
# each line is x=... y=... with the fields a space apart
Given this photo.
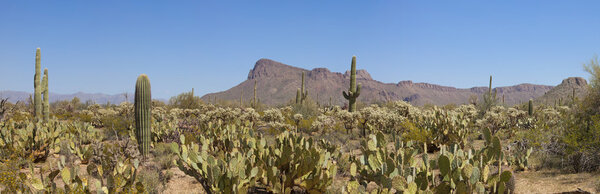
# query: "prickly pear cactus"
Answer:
x=143 y=114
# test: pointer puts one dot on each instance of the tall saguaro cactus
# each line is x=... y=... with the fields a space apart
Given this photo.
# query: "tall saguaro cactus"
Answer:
x=303 y=93
x=530 y=107
x=254 y=100
x=354 y=90
x=37 y=96
x=143 y=113
x=46 y=103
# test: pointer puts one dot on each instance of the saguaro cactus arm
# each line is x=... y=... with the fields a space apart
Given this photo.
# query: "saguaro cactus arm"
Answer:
x=46 y=104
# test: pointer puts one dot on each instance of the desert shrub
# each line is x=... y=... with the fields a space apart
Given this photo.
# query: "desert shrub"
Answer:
x=116 y=126
x=583 y=145
x=150 y=178
x=11 y=179
x=414 y=133
x=582 y=129
x=308 y=108
x=164 y=155
x=305 y=124
x=186 y=100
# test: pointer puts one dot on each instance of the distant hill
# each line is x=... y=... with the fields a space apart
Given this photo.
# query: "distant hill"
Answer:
x=98 y=98
x=277 y=84
x=565 y=91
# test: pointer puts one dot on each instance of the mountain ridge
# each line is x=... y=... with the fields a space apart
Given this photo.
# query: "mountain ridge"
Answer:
x=277 y=83
x=99 y=98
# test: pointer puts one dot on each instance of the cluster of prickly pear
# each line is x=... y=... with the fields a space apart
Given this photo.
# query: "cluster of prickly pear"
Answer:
x=240 y=161
x=454 y=171
x=354 y=90
x=520 y=159
x=389 y=168
x=120 y=176
x=231 y=172
x=295 y=159
x=222 y=169
x=143 y=114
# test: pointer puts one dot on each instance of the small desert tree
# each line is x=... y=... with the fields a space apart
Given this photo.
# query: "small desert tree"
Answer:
x=186 y=100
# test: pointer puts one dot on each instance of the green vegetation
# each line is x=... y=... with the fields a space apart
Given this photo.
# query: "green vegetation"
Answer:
x=299 y=148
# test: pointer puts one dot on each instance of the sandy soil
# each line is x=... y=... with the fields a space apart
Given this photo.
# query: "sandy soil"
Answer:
x=552 y=181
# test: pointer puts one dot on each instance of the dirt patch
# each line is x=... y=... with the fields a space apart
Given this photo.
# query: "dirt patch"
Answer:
x=553 y=181
x=181 y=183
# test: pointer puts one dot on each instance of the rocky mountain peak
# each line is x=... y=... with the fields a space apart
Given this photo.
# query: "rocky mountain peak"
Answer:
x=360 y=74
x=270 y=68
x=574 y=81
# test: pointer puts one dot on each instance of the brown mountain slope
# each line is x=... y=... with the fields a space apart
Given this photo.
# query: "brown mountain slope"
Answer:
x=277 y=84
x=564 y=91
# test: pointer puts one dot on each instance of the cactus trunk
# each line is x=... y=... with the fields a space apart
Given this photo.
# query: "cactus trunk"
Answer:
x=354 y=90
x=302 y=94
x=37 y=97
x=298 y=98
x=143 y=113
x=490 y=88
x=46 y=103
x=254 y=103
x=530 y=109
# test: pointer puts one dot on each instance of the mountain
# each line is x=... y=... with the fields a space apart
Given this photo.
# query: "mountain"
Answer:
x=99 y=98
x=277 y=84
x=564 y=91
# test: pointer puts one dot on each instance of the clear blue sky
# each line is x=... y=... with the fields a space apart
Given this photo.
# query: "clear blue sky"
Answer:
x=103 y=46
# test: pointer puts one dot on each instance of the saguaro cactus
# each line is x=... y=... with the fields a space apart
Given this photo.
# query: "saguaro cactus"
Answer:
x=254 y=101
x=143 y=113
x=298 y=96
x=37 y=96
x=242 y=98
x=46 y=104
x=303 y=92
x=530 y=109
x=354 y=90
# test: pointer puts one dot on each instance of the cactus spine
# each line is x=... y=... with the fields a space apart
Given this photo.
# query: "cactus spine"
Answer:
x=46 y=103
x=37 y=97
x=354 y=90
x=143 y=113
x=530 y=109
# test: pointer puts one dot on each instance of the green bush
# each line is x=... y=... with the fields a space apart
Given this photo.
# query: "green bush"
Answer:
x=185 y=100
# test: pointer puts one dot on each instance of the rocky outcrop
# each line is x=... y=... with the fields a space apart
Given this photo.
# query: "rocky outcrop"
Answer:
x=563 y=93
